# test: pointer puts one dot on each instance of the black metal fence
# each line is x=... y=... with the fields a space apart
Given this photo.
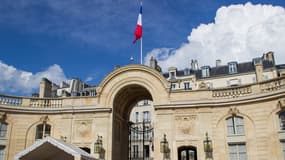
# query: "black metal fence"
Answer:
x=140 y=141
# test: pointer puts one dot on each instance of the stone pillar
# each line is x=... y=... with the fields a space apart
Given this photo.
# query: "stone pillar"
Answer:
x=45 y=88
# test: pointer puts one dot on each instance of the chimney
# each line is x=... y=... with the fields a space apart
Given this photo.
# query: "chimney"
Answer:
x=218 y=63
x=45 y=88
x=269 y=56
x=153 y=64
x=258 y=69
x=194 y=65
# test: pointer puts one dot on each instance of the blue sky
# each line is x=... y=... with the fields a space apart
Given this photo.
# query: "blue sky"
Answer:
x=86 y=39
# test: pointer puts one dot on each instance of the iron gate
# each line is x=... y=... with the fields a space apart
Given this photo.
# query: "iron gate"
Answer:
x=140 y=141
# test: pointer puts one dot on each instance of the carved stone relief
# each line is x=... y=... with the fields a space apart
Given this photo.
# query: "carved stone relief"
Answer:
x=83 y=130
x=185 y=124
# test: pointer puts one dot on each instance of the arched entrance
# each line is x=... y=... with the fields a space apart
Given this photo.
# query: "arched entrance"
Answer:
x=187 y=153
x=120 y=91
x=123 y=103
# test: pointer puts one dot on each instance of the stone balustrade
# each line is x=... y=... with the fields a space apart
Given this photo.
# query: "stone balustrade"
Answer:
x=45 y=103
x=272 y=85
x=232 y=92
x=10 y=100
x=221 y=93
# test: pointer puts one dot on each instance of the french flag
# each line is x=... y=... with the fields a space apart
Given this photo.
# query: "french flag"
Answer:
x=138 y=30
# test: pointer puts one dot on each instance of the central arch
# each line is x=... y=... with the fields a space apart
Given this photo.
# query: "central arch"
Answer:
x=121 y=90
x=124 y=101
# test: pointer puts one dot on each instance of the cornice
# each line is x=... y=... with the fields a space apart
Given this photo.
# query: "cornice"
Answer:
x=71 y=109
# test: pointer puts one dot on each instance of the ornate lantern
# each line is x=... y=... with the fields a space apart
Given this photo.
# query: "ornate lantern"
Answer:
x=164 y=145
x=98 y=145
x=208 y=147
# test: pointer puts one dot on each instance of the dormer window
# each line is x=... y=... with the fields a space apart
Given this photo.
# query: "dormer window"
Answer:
x=232 y=67
x=172 y=75
x=186 y=71
x=205 y=71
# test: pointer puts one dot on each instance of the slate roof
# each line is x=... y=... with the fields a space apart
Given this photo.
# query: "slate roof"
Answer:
x=223 y=70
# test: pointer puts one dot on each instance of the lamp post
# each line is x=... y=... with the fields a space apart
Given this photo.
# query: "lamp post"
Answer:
x=164 y=149
x=208 y=147
x=98 y=145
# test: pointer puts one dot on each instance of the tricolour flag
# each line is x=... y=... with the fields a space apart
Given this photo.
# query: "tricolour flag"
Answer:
x=138 y=30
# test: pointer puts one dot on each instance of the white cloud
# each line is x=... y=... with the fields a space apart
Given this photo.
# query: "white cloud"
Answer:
x=88 y=79
x=239 y=33
x=16 y=80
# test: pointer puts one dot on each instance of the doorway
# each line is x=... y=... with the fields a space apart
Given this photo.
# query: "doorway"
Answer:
x=187 y=153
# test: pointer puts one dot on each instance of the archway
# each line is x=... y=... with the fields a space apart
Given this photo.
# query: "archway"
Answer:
x=123 y=103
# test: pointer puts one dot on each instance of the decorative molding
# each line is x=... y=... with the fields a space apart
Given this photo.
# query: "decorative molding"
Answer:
x=44 y=119
x=233 y=111
x=3 y=116
x=281 y=103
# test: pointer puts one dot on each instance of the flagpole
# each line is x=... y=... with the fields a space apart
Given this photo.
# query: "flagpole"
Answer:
x=141 y=37
x=141 y=52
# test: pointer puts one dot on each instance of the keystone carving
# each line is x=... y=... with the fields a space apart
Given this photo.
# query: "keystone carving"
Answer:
x=233 y=111
x=281 y=103
x=44 y=119
x=3 y=116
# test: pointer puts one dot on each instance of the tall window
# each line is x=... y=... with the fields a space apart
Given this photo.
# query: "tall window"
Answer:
x=237 y=152
x=282 y=120
x=283 y=149
x=235 y=125
x=187 y=86
x=146 y=116
x=2 y=152
x=3 y=129
x=43 y=130
x=136 y=151
x=137 y=116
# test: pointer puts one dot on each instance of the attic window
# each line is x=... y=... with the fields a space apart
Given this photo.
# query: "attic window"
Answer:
x=172 y=75
x=205 y=71
x=232 y=67
x=186 y=71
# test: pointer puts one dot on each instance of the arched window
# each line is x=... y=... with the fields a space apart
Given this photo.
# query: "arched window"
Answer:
x=43 y=130
x=282 y=120
x=3 y=129
x=235 y=125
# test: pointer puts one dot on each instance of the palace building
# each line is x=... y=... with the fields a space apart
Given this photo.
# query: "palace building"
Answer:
x=223 y=112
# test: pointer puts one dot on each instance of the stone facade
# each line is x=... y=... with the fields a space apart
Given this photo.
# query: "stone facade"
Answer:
x=248 y=117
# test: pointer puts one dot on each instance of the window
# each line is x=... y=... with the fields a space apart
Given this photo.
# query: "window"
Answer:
x=235 y=126
x=137 y=116
x=146 y=116
x=136 y=151
x=145 y=102
x=232 y=67
x=282 y=120
x=237 y=152
x=43 y=130
x=173 y=86
x=3 y=129
x=2 y=152
x=187 y=86
x=172 y=75
x=283 y=148
x=205 y=71
x=186 y=71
